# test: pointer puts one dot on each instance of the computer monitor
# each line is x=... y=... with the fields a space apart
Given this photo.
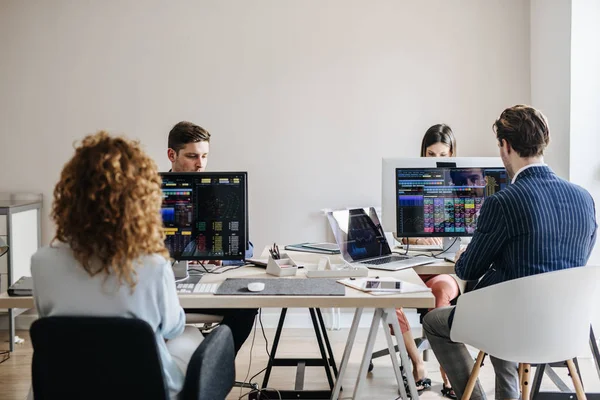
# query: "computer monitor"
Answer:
x=205 y=215
x=388 y=179
x=443 y=202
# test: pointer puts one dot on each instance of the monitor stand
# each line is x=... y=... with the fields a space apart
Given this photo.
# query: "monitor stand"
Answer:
x=450 y=246
x=180 y=269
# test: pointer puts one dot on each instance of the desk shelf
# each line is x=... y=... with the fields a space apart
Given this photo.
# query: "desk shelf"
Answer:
x=20 y=228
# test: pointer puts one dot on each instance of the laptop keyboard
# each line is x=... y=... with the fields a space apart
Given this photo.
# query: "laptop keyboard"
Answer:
x=386 y=260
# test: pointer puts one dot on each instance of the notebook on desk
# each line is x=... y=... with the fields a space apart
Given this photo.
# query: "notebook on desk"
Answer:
x=22 y=287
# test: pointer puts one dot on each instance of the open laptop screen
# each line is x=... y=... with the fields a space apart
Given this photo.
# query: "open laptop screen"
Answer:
x=358 y=233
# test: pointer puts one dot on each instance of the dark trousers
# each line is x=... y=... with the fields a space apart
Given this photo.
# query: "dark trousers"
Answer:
x=239 y=321
x=458 y=363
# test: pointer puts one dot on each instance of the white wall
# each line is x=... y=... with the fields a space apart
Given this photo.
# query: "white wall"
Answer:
x=307 y=95
x=585 y=102
x=550 y=75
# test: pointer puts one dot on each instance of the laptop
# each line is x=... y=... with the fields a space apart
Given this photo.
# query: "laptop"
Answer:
x=22 y=287
x=362 y=241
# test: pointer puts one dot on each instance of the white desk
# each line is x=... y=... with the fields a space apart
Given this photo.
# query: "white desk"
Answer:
x=384 y=311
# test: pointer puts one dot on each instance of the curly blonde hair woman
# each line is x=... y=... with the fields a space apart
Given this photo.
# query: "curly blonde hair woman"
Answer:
x=108 y=257
x=107 y=207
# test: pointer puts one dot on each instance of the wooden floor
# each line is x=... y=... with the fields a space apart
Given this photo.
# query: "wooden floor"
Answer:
x=15 y=373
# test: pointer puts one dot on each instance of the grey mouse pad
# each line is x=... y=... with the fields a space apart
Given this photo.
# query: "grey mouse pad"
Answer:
x=283 y=287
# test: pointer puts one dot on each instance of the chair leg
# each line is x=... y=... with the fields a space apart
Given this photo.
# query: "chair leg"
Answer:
x=521 y=366
x=576 y=381
x=526 y=382
x=473 y=377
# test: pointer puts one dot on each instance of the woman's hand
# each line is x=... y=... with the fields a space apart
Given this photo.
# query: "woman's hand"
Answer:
x=433 y=241
x=458 y=254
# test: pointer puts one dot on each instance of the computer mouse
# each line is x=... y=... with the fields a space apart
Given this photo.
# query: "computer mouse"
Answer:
x=256 y=286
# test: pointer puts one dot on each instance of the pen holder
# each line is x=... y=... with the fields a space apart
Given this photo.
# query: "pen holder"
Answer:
x=285 y=266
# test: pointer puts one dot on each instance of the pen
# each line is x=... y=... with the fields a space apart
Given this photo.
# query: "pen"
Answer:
x=275 y=252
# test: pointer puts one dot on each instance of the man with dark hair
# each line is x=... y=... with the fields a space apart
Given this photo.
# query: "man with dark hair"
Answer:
x=189 y=145
x=540 y=223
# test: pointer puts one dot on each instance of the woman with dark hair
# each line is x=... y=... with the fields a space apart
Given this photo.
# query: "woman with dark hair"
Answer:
x=438 y=141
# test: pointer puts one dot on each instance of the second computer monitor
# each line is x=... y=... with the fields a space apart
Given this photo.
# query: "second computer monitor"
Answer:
x=205 y=215
x=442 y=202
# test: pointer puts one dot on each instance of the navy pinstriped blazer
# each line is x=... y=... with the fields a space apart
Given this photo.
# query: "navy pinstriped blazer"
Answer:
x=541 y=223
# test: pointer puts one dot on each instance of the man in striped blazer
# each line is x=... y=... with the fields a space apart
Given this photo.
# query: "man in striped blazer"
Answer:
x=539 y=223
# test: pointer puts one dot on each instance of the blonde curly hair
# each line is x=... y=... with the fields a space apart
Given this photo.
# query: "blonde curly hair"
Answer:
x=107 y=206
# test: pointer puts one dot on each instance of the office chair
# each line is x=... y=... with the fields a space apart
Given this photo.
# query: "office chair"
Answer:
x=539 y=319
x=209 y=322
x=117 y=358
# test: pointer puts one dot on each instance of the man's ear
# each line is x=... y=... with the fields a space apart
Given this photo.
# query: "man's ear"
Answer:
x=509 y=149
x=172 y=154
x=505 y=145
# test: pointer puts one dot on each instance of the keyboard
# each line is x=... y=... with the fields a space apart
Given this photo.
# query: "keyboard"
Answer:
x=386 y=260
x=197 y=288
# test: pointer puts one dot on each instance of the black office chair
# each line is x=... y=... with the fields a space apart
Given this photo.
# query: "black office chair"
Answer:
x=117 y=358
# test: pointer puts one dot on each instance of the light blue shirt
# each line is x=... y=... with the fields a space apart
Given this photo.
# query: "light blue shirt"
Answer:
x=62 y=287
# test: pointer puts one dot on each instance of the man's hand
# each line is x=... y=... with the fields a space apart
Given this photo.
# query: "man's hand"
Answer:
x=458 y=254
x=434 y=241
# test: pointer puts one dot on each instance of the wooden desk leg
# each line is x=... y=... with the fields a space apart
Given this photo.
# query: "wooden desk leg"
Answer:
x=392 y=350
x=404 y=356
x=364 y=364
x=347 y=350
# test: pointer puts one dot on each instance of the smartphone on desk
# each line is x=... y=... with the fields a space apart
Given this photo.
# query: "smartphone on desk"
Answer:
x=383 y=285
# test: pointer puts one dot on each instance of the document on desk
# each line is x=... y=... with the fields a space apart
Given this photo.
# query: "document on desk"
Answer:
x=360 y=283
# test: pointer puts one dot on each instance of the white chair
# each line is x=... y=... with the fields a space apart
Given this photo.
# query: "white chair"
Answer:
x=539 y=319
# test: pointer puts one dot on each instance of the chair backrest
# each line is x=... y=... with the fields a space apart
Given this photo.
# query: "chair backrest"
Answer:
x=537 y=319
x=211 y=371
x=95 y=358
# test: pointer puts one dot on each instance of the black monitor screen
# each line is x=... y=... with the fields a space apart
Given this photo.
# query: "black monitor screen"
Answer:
x=443 y=201
x=205 y=215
